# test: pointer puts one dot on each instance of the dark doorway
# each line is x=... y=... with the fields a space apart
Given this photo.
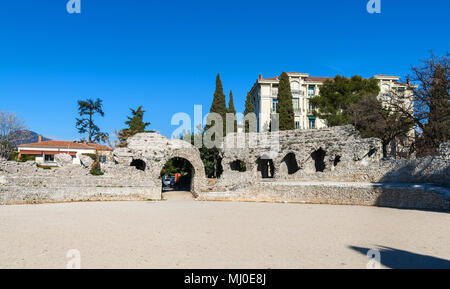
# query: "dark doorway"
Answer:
x=319 y=159
x=291 y=163
x=266 y=167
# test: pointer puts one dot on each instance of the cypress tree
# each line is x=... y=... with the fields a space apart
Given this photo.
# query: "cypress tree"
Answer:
x=285 y=107
x=211 y=156
x=219 y=103
x=232 y=110
x=249 y=108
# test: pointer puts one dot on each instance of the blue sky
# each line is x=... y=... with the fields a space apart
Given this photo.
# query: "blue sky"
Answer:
x=165 y=55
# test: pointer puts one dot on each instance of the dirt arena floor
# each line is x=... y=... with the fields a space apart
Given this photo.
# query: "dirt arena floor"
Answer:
x=183 y=233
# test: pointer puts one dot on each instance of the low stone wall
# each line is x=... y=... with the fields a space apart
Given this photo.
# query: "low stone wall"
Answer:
x=408 y=196
x=47 y=189
x=37 y=195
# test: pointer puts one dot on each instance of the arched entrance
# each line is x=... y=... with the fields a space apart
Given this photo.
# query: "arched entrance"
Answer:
x=290 y=163
x=266 y=168
x=319 y=159
x=177 y=179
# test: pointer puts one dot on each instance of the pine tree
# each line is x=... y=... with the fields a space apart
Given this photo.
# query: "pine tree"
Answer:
x=88 y=109
x=285 y=107
x=338 y=95
x=249 y=108
x=232 y=110
x=135 y=125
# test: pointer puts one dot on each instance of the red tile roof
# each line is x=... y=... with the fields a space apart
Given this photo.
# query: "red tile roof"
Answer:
x=66 y=144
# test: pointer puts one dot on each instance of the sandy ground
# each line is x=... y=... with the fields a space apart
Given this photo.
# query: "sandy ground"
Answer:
x=193 y=234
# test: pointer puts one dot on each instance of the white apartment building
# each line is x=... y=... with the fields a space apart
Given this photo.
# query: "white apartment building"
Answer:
x=265 y=90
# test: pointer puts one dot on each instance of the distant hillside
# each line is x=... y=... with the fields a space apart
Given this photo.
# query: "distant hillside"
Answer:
x=26 y=136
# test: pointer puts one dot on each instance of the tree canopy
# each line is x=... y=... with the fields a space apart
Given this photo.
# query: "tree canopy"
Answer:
x=135 y=125
x=338 y=95
x=87 y=109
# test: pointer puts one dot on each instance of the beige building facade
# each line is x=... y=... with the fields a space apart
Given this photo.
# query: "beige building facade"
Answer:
x=265 y=90
x=303 y=86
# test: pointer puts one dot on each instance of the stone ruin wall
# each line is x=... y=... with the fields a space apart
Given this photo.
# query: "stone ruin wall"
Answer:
x=135 y=173
x=345 y=157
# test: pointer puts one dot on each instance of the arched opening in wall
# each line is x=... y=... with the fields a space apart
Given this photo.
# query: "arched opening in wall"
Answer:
x=239 y=166
x=266 y=168
x=319 y=159
x=337 y=159
x=139 y=164
x=177 y=177
x=291 y=163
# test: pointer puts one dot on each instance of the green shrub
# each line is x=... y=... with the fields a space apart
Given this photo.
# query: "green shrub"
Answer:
x=13 y=156
x=96 y=170
x=25 y=158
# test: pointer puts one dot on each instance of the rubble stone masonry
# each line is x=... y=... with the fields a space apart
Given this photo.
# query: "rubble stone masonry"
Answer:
x=332 y=166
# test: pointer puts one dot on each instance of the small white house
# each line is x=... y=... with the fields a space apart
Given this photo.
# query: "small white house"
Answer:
x=45 y=151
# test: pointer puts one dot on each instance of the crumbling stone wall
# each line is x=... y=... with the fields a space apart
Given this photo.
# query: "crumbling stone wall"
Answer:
x=297 y=166
x=151 y=151
x=331 y=154
x=302 y=153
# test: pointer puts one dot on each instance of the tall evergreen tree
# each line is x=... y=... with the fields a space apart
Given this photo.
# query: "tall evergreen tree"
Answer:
x=249 y=108
x=88 y=108
x=285 y=107
x=232 y=110
x=211 y=157
x=135 y=125
x=219 y=103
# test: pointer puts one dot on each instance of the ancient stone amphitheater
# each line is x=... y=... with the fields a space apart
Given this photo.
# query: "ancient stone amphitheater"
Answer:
x=328 y=166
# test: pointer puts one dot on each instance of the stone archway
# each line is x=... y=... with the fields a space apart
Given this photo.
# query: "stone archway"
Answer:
x=198 y=170
x=289 y=164
x=155 y=151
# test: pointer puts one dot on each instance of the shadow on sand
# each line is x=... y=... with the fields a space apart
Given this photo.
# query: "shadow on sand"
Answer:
x=400 y=259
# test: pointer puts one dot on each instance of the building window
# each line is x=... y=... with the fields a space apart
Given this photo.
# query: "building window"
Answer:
x=311 y=90
x=296 y=103
x=297 y=125
x=49 y=158
x=312 y=123
x=274 y=105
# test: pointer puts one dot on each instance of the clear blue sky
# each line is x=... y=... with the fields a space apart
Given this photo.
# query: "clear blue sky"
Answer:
x=165 y=55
